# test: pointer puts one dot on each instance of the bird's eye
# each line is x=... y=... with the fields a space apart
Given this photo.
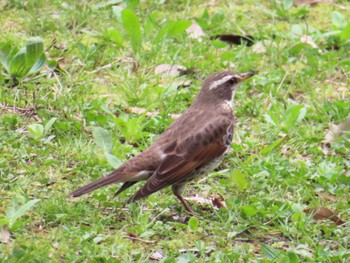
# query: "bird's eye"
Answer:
x=232 y=80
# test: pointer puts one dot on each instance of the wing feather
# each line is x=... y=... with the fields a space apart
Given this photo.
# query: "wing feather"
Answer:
x=190 y=154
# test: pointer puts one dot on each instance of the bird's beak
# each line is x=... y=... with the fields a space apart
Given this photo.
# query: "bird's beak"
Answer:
x=244 y=76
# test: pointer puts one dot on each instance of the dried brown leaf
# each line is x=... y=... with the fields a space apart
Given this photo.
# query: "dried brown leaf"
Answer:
x=261 y=46
x=337 y=130
x=198 y=199
x=214 y=201
x=195 y=31
x=4 y=235
x=323 y=213
x=181 y=83
x=327 y=196
x=218 y=203
x=157 y=255
x=308 y=40
x=167 y=70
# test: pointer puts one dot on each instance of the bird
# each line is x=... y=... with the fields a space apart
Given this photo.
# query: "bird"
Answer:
x=194 y=144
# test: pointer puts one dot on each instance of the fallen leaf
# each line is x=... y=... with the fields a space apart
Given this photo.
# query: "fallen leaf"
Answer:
x=327 y=196
x=261 y=46
x=4 y=235
x=218 y=203
x=302 y=250
x=214 y=201
x=181 y=83
x=182 y=219
x=337 y=130
x=167 y=70
x=323 y=213
x=195 y=31
x=157 y=255
x=308 y=40
x=198 y=199
x=235 y=39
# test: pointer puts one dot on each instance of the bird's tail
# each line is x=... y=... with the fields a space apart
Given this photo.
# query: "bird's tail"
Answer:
x=103 y=181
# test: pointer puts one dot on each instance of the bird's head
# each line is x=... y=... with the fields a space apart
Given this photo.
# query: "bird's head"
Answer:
x=222 y=85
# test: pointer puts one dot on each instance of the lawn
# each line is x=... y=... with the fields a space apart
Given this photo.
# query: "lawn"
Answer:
x=91 y=96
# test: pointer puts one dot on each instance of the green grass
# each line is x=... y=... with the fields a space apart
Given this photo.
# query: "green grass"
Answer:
x=278 y=166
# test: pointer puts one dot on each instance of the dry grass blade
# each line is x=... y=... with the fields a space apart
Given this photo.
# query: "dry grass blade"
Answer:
x=310 y=2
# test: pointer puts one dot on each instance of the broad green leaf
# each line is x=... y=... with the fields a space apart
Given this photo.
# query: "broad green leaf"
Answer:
x=301 y=115
x=193 y=223
x=132 y=3
x=18 y=64
x=102 y=138
x=39 y=64
x=239 y=179
x=296 y=31
x=34 y=50
x=171 y=29
x=338 y=20
x=273 y=146
x=219 y=44
x=132 y=26
x=345 y=35
x=269 y=252
x=178 y=27
x=293 y=258
x=114 y=36
x=113 y=161
x=36 y=130
x=28 y=60
x=131 y=128
x=270 y=117
x=287 y=4
x=14 y=213
x=161 y=34
x=295 y=114
x=249 y=210
x=3 y=220
x=7 y=51
x=49 y=124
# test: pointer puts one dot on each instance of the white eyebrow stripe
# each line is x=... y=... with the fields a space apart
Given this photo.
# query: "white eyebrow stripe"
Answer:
x=219 y=82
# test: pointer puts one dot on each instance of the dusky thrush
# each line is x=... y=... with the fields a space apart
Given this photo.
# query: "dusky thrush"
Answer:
x=193 y=145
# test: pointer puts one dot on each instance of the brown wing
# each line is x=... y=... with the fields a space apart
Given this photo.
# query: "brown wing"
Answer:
x=185 y=156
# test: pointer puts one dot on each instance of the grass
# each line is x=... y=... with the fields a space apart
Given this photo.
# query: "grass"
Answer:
x=278 y=166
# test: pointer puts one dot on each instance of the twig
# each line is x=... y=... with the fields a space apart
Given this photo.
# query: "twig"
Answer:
x=139 y=239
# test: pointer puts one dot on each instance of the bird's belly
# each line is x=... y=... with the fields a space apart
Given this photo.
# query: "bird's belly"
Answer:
x=143 y=175
x=205 y=168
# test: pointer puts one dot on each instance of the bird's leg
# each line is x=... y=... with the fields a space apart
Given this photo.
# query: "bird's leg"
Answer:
x=177 y=190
